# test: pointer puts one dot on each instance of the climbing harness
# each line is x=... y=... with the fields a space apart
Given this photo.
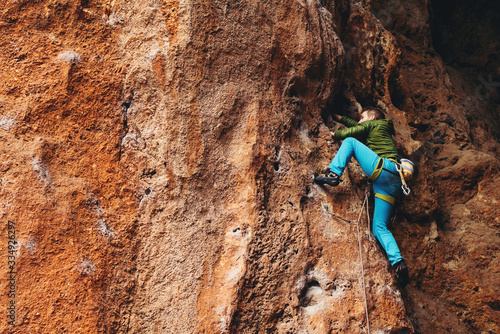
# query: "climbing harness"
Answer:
x=405 y=170
x=357 y=223
x=378 y=169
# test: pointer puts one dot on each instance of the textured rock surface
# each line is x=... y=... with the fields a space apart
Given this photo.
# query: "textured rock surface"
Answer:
x=157 y=158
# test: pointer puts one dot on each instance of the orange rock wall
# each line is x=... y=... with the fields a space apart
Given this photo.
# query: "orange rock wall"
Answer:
x=157 y=161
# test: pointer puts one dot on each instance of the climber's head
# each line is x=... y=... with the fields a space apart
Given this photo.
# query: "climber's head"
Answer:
x=371 y=114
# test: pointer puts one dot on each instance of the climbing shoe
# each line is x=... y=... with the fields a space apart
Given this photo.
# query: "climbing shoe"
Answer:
x=402 y=273
x=331 y=179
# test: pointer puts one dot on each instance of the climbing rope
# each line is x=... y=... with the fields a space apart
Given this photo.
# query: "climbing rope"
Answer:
x=350 y=221
x=361 y=260
x=356 y=222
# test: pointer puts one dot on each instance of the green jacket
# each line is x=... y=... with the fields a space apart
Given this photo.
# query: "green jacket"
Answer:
x=377 y=135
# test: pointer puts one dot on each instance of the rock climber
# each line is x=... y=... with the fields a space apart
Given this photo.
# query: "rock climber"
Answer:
x=378 y=158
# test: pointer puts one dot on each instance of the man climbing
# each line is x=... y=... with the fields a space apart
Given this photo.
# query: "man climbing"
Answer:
x=378 y=159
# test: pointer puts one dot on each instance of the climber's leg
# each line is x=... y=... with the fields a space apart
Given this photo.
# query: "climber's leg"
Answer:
x=388 y=184
x=381 y=217
x=350 y=147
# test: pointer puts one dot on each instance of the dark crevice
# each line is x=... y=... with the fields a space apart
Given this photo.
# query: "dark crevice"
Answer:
x=397 y=91
x=465 y=33
x=303 y=300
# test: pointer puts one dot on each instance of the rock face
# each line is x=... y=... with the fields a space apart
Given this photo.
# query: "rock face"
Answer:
x=157 y=161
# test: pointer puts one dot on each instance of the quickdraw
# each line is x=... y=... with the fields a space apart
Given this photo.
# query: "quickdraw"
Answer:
x=406 y=189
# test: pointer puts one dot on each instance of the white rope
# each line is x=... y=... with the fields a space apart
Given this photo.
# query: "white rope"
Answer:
x=356 y=222
x=361 y=260
x=367 y=194
x=353 y=222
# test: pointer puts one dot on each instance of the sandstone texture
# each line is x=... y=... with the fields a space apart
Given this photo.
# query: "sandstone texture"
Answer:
x=157 y=158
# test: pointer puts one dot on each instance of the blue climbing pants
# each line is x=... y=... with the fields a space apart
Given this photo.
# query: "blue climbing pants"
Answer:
x=386 y=184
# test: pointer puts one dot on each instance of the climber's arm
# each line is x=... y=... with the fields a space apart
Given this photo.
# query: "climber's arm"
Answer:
x=355 y=131
x=348 y=122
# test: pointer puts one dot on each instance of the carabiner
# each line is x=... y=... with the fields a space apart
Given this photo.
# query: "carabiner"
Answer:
x=406 y=190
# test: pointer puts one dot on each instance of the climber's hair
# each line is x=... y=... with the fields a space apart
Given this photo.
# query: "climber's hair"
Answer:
x=374 y=111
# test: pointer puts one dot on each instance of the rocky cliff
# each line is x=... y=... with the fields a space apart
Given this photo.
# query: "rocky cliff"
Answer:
x=157 y=161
